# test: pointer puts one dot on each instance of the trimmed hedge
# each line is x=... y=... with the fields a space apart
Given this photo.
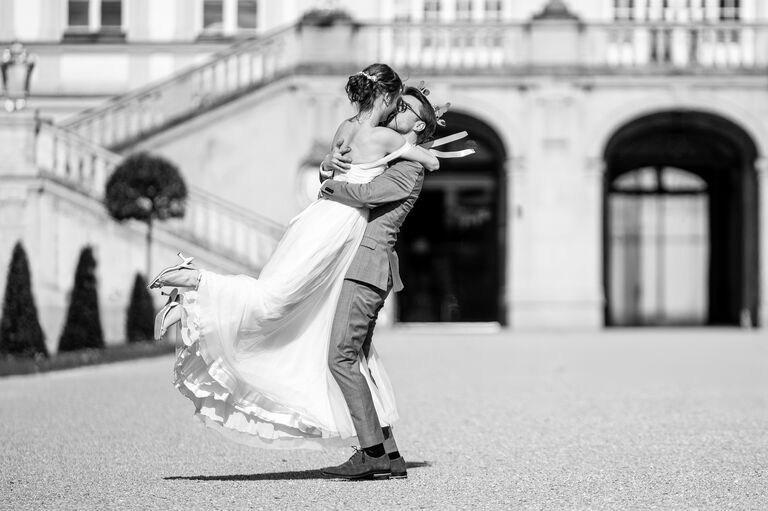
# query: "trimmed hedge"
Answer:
x=10 y=365
x=20 y=331
x=83 y=327
x=140 y=317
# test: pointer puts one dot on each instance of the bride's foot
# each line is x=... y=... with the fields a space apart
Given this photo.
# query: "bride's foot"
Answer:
x=183 y=277
x=168 y=316
x=162 y=278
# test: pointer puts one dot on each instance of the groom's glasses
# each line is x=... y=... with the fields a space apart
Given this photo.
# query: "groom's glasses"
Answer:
x=402 y=106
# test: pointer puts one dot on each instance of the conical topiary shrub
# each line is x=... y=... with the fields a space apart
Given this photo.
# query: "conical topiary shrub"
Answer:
x=83 y=327
x=20 y=332
x=139 y=322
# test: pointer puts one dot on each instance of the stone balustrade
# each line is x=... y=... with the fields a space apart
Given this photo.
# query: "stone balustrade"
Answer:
x=211 y=222
x=521 y=48
x=452 y=49
x=242 y=67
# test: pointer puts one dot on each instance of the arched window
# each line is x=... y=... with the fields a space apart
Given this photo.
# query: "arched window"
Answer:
x=659 y=180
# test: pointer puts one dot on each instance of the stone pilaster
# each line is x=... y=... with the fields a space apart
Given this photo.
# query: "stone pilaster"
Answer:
x=761 y=166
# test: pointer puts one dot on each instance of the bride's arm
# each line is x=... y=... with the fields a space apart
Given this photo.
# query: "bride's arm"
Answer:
x=392 y=141
x=335 y=161
x=395 y=184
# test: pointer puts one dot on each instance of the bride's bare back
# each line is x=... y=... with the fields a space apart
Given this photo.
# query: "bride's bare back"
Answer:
x=369 y=143
x=366 y=143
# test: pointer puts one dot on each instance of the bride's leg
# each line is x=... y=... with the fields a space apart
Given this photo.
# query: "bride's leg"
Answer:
x=183 y=277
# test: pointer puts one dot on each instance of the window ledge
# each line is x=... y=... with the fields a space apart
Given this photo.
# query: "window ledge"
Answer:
x=214 y=36
x=104 y=35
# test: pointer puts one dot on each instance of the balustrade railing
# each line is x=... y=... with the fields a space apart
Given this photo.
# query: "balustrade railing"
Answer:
x=471 y=47
x=459 y=49
x=697 y=47
x=242 y=67
x=211 y=222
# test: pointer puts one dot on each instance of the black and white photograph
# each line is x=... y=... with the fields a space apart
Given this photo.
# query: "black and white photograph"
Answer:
x=384 y=254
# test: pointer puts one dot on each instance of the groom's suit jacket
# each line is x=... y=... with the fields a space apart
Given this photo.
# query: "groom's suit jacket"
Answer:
x=390 y=198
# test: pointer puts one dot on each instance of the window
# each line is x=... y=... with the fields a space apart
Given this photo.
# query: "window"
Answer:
x=624 y=10
x=247 y=14
x=77 y=13
x=431 y=10
x=111 y=13
x=729 y=10
x=493 y=10
x=213 y=14
x=463 y=10
x=94 y=21
x=229 y=18
x=402 y=10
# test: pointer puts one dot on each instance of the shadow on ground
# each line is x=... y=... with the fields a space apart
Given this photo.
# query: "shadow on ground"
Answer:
x=276 y=476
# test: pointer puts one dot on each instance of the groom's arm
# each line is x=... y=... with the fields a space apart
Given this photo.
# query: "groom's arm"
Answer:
x=395 y=184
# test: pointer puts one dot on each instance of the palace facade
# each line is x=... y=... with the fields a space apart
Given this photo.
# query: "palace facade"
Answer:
x=620 y=177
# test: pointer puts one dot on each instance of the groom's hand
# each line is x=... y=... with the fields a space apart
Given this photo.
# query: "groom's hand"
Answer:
x=335 y=161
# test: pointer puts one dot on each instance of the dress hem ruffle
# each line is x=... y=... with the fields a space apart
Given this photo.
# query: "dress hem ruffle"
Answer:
x=258 y=421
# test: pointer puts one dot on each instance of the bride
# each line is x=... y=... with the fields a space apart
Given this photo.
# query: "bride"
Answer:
x=254 y=353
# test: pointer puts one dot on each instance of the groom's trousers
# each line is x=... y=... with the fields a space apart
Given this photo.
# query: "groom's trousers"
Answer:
x=352 y=332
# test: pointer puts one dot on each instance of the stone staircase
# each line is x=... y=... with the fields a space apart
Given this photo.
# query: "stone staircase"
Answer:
x=210 y=224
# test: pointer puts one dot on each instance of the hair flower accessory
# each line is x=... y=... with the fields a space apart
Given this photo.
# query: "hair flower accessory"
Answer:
x=372 y=78
x=440 y=110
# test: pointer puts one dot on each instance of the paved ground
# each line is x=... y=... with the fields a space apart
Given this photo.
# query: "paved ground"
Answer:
x=618 y=420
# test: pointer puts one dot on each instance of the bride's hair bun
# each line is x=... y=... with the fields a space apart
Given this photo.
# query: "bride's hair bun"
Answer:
x=364 y=87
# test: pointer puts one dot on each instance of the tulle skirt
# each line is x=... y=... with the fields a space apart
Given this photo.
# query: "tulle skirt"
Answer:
x=252 y=353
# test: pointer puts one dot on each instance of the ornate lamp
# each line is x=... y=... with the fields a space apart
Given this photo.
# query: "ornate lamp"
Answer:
x=16 y=65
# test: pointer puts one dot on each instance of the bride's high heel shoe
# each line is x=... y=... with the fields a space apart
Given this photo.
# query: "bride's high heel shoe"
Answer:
x=186 y=263
x=164 y=318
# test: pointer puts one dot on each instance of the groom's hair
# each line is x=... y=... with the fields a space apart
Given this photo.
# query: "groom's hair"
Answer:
x=427 y=113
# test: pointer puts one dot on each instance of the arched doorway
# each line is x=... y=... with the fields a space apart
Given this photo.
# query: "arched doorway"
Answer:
x=680 y=222
x=452 y=246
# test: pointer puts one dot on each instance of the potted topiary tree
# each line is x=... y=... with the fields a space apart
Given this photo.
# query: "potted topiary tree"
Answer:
x=141 y=313
x=146 y=188
x=83 y=326
x=20 y=331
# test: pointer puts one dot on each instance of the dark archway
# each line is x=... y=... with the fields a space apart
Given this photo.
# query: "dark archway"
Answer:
x=680 y=222
x=452 y=247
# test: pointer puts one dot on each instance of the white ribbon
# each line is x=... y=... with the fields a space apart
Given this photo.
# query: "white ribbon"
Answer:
x=453 y=154
x=445 y=140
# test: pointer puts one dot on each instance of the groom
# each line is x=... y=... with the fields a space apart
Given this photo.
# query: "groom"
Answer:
x=371 y=276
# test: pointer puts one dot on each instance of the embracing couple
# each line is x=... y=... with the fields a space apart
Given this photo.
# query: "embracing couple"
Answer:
x=286 y=360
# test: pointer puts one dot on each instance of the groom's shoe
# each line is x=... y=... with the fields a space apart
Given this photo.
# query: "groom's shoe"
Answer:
x=361 y=466
x=397 y=468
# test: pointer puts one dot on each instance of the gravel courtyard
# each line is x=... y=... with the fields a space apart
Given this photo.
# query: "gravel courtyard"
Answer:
x=633 y=419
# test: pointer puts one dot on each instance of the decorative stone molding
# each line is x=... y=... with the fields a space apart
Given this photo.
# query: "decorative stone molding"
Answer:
x=556 y=10
x=594 y=165
x=516 y=165
x=761 y=166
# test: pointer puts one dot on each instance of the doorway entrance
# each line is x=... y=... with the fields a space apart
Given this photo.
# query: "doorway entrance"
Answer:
x=452 y=246
x=680 y=223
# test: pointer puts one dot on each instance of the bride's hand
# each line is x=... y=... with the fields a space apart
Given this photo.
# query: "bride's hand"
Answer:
x=336 y=161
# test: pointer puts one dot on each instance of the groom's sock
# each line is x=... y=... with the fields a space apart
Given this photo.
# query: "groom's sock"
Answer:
x=394 y=455
x=375 y=451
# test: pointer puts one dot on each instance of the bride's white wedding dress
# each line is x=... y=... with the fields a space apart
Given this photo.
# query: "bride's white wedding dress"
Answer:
x=253 y=353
